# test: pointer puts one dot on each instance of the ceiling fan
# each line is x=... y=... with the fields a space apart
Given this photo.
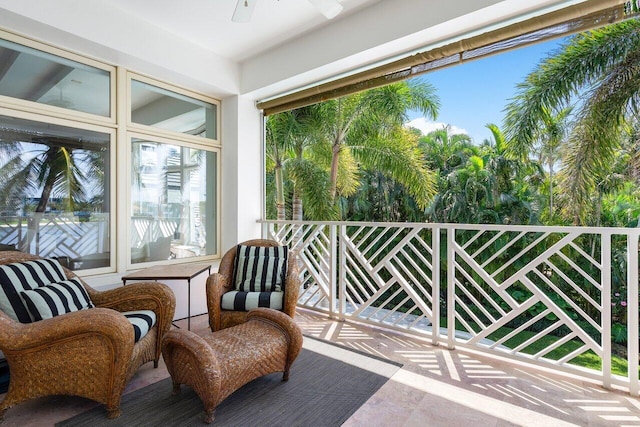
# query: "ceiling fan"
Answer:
x=244 y=9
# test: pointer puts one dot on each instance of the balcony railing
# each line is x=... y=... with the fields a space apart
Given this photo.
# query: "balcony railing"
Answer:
x=556 y=297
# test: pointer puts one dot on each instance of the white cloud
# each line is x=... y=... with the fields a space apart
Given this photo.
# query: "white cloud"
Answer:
x=426 y=126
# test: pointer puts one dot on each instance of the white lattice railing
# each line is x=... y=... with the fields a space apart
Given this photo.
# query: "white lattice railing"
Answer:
x=546 y=295
x=57 y=234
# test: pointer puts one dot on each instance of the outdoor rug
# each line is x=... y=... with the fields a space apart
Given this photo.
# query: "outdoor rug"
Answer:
x=327 y=384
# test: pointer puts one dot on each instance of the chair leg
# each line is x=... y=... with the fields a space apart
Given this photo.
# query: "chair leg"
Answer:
x=113 y=413
x=176 y=389
x=209 y=415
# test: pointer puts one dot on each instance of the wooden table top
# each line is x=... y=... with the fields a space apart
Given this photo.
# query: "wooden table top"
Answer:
x=168 y=272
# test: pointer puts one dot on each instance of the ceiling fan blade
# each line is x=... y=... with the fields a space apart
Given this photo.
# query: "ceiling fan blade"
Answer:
x=244 y=10
x=329 y=8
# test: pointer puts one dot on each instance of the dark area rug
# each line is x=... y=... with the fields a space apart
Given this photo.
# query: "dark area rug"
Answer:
x=321 y=391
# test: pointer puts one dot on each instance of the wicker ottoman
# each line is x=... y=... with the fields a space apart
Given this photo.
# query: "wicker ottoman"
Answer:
x=218 y=363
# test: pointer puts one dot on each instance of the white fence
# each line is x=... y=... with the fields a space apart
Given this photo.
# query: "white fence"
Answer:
x=552 y=296
x=76 y=237
x=56 y=234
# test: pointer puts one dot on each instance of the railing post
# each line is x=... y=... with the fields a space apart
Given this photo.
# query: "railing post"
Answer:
x=632 y=313
x=435 y=286
x=451 y=292
x=605 y=278
x=332 y=271
x=343 y=271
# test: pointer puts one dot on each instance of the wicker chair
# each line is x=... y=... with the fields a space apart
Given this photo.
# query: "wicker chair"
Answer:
x=222 y=281
x=88 y=353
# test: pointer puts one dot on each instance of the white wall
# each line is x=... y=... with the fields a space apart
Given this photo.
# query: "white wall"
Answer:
x=241 y=170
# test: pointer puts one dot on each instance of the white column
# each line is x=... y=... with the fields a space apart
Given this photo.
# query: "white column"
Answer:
x=242 y=169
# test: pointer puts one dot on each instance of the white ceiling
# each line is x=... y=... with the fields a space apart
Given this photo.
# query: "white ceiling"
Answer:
x=207 y=23
x=287 y=45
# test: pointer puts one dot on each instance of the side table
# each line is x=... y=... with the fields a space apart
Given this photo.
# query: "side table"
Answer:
x=171 y=272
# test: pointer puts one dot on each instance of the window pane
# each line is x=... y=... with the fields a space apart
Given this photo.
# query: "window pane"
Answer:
x=54 y=192
x=157 y=107
x=173 y=202
x=33 y=75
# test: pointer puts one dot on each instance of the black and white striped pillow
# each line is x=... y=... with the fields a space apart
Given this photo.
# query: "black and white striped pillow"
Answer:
x=22 y=276
x=52 y=300
x=260 y=269
x=245 y=301
x=142 y=321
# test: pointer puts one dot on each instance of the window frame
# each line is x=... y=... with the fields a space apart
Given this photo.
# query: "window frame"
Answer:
x=112 y=179
x=130 y=75
x=120 y=131
x=50 y=110
x=131 y=135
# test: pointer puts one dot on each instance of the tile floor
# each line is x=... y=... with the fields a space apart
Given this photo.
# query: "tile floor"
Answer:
x=435 y=387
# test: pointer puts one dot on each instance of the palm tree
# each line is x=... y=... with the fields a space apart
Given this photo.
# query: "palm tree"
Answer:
x=295 y=152
x=56 y=167
x=514 y=182
x=280 y=129
x=367 y=129
x=597 y=73
x=477 y=184
x=551 y=140
x=444 y=151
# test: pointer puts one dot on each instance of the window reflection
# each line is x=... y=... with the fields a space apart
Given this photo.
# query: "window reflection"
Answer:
x=37 y=76
x=164 y=109
x=53 y=192
x=173 y=202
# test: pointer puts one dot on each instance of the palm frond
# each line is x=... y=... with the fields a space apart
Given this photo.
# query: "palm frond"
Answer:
x=580 y=62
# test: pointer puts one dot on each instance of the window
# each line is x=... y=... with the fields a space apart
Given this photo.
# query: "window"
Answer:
x=54 y=183
x=58 y=139
x=33 y=75
x=165 y=109
x=174 y=173
x=173 y=201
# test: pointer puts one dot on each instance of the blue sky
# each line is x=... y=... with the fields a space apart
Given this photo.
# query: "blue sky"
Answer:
x=475 y=93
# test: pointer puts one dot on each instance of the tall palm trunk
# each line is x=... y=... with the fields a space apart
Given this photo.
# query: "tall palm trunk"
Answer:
x=335 y=157
x=551 y=191
x=280 y=209
x=33 y=222
x=296 y=206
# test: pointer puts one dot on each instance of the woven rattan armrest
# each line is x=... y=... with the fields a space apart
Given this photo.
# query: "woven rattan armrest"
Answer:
x=137 y=296
x=111 y=325
x=292 y=285
x=217 y=284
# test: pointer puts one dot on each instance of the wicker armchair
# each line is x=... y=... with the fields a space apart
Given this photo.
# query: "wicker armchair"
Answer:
x=222 y=282
x=88 y=353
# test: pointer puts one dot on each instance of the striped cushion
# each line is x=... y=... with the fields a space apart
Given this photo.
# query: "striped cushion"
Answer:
x=22 y=276
x=245 y=301
x=142 y=321
x=52 y=300
x=260 y=269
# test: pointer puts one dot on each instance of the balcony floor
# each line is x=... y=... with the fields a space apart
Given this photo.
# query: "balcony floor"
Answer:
x=435 y=387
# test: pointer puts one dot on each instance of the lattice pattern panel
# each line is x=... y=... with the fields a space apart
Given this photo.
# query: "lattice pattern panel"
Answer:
x=313 y=245
x=10 y=230
x=532 y=293
x=65 y=235
x=388 y=275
